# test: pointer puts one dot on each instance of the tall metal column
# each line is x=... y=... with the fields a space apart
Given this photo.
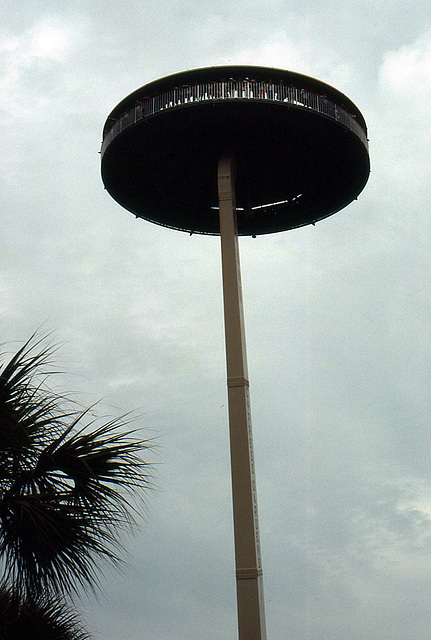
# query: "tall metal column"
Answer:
x=251 y=614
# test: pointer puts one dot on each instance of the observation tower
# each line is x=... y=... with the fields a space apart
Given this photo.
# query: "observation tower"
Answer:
x=229 y=151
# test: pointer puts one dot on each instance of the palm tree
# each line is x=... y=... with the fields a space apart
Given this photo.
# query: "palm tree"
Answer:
x=42 y=619
x=65 y=482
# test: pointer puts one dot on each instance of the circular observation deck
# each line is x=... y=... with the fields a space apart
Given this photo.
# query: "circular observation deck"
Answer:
x=300 y=147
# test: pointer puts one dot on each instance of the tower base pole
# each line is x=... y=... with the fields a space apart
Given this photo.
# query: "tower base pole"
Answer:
x=250 y=601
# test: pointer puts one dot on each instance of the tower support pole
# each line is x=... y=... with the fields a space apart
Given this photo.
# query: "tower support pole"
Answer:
x=250 y=602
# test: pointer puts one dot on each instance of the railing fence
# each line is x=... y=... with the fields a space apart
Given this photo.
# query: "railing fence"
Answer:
x=233 y=90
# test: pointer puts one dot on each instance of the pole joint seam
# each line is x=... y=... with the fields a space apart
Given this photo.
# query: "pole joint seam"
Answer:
x=239 y=381
x=248 y=574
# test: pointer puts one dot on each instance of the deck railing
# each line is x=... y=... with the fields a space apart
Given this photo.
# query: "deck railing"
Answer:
x=233 y=90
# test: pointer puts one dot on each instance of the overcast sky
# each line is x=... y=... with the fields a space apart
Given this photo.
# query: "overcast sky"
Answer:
x=337 y=315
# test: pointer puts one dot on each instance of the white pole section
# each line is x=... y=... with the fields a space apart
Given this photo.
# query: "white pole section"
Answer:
x=251 y=613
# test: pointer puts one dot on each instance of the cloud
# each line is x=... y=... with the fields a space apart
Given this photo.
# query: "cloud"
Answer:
x=277 y=51
x=48 y=39
x=395 y=532
x=302 y=54
x=406 y=72
x=28 y=58
x=49 y=42
x=400 y=122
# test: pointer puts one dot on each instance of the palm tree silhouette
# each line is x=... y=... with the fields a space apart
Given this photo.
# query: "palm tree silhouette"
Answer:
x=41 y=619
x=66 y=479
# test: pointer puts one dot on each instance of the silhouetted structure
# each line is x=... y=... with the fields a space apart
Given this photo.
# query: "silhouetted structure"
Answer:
x=236 y=151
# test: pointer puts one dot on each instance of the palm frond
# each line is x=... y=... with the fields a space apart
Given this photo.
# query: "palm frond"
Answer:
x=42 y=619
x=29 y=413
x=66 y=484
